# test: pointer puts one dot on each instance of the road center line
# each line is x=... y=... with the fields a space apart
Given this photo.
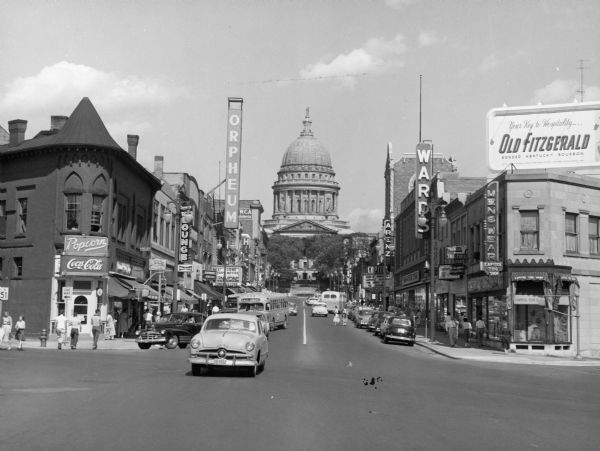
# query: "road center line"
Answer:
x=303 y=326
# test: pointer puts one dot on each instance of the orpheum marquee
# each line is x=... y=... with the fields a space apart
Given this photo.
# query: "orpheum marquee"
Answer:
x=548 y=136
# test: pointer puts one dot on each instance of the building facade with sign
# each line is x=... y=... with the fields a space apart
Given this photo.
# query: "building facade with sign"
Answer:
x=75 y=209
x=306 y=193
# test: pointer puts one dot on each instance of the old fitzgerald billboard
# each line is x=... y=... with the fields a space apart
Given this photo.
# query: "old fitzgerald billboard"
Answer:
x=549 y=136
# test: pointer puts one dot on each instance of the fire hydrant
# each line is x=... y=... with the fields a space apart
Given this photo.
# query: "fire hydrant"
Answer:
x=43 y=338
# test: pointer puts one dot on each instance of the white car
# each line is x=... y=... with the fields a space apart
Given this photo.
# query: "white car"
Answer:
x=312 y=301
x=230 y=340
x=319 y=309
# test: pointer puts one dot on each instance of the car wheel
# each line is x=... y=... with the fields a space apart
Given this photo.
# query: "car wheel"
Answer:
x=252 y=370
x=182 y=345
x=412 y=343
x=172 y=342
x=285 y=324
x=144 y=345
x=261 y=367
x=385 y=340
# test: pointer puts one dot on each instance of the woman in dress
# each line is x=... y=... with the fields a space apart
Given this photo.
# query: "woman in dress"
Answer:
x=110 y=327
x=336 y=318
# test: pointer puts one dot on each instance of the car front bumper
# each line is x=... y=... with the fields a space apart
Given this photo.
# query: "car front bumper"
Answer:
x=401 y=338
x=209 y=359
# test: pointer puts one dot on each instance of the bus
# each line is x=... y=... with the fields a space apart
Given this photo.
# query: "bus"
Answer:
x=335 y=300
x=273 y=305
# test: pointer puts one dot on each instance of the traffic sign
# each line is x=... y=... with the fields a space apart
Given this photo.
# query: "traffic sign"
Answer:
x=3 y=293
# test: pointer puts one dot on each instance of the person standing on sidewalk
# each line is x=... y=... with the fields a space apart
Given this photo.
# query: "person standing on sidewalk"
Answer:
x=480 y=328
x=7 y=324
x=96 y=328
x=61 y=327
x=466 y=327
x=20 y=332
x=110 y=328
x=75 y=323
x=505 y=334
x=452 y=328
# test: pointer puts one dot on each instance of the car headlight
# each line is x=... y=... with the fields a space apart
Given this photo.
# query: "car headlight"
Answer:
x=137 y=332
x=195 y=343
x=250 y=346
x=162 y=332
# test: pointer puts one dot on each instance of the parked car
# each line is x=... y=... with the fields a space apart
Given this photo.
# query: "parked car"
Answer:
x=363 y=317
x=319 y=309
x=398 y=329
x=229 y=340
x=373 y=320
x=175 y=330
x=358 y=311
x=379 y=318
x=292 y=309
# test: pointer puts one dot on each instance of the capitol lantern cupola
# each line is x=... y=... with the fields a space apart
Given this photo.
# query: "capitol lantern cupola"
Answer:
x=305 y=194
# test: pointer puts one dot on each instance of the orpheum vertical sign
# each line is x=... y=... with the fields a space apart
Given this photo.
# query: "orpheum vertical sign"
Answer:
x=422 y=185
x=232 y=161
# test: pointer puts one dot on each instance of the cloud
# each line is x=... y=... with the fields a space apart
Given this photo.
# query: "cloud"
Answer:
x=365 y=220
x=61 y=86
x=377 y=55
x=492 y=61
x=398 y=4
x=428 y=38
x=564 y=91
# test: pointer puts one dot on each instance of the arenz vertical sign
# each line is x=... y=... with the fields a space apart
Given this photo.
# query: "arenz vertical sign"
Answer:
x=490 y=240
x=422 y=185
x=387 y=240
x=233 y=160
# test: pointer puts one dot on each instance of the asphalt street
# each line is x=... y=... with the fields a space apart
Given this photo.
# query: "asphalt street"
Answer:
x=324 y=387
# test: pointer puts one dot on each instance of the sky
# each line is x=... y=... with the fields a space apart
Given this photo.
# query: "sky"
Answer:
x=164 y=70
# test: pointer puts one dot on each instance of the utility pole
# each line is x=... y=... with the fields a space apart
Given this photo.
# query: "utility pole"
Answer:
x=581 y=68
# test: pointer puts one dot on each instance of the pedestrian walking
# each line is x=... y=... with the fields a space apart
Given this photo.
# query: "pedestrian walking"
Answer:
x=147 y=318
x=75 y=323
x=123 y=323
x=61 y=327
x=20 y=332
x=336 y=318
x=466 y=327
x=480 y=329
x=505 y=334
x=7 y=324
x=96 y=328
x=215 y=309
x=452 y=328
x=109 y=333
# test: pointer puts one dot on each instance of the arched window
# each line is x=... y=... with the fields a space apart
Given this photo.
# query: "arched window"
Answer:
x=80 y=308
x=73 y=193
x=100 y=192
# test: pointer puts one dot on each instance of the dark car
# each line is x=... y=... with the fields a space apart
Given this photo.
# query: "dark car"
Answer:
x=362 y=318
x=176 y=329
x=378 y=320
x=373 y=320
x=398 y=329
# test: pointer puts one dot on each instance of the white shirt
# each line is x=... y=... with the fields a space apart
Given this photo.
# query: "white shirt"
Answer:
x=215 y=309
x=61 y=322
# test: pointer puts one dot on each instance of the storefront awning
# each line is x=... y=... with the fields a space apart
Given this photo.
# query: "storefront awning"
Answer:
x=211 y=293
x=126 y=288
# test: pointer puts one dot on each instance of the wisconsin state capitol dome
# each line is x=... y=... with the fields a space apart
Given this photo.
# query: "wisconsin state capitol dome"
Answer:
x=305 y=195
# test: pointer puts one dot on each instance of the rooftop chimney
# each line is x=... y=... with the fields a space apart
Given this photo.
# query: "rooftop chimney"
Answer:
x=58 y=122
x=17 y=128
x=132 y=142
x=158 y=167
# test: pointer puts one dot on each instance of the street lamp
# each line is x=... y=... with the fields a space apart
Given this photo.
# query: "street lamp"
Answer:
x=438 y=220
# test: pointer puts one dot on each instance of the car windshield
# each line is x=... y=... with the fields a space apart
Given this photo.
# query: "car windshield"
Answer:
x=176 y=318
x=230 y=324
x=401 y=322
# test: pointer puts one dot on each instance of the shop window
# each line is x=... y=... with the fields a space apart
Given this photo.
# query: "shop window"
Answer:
x=530 y=310
x=80 y=308
x=155 y=213
x=21 y=216
x=73 y=211
x=83 y=285
x=18 y=267
x=529 y=228
x=97 y=213
x=594 y=235
x=571 y=233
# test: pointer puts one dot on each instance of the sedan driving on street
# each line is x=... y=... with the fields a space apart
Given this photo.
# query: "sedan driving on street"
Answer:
x=319 y=309
x=230 y=340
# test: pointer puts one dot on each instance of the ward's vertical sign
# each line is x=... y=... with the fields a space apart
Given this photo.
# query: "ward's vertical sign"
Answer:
x=233 y=162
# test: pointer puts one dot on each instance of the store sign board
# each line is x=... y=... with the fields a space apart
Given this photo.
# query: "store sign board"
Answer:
x=422 y=186
x=73 y=265
x=451 y=272
x=548 y=136
x=490 y=224
x=86 y=245
x=158 y=264
x=184 y=242
x=233 y=278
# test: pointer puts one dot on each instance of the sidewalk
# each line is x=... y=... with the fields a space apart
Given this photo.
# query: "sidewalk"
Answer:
x=84 y=343
x=441 y=346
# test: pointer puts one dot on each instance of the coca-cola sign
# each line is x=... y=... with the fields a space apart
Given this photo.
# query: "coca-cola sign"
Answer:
x=86 y=245
x=74 y=265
